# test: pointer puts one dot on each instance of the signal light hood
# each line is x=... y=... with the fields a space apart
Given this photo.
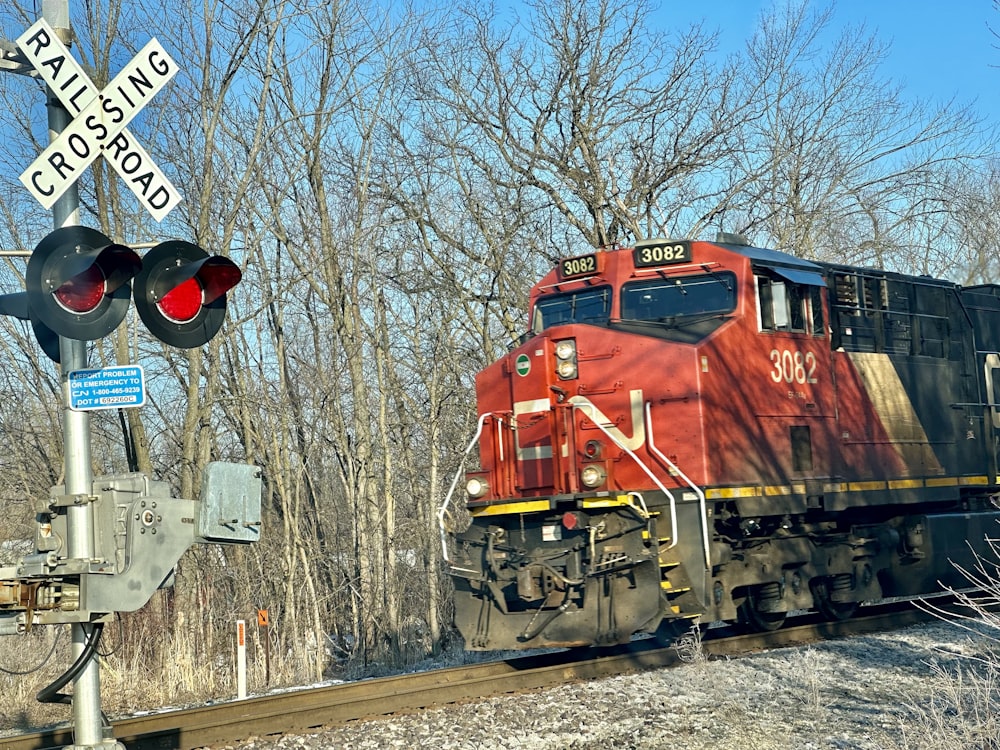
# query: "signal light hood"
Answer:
x=79 y=282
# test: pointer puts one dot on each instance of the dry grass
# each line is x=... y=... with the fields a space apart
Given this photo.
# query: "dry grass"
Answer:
x=961 y=714
x=141 y=670
x=39 y=657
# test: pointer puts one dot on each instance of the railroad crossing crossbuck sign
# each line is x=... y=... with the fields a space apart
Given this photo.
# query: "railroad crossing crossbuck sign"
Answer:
x=99 y=120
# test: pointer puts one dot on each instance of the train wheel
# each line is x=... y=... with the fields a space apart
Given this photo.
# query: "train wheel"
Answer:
x=755 y=611
x=825 y=605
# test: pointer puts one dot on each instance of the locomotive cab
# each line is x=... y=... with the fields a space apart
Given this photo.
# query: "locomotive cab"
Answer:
x=711 y=431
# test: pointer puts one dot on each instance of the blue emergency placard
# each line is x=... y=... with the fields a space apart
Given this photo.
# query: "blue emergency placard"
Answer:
x=120 y=387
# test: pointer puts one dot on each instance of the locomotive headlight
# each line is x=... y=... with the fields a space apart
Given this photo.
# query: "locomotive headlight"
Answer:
x=477 y=487
x=566 y=370
x=566 y=367
x=593 y=476
x=566 y=349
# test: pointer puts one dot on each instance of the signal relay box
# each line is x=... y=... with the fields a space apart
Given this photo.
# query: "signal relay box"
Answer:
x=230 y=503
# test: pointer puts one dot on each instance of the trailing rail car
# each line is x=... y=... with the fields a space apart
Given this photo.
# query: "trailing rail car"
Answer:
x=710 y=431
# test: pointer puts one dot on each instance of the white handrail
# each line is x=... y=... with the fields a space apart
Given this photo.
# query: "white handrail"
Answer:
x=698 y=491
x=451 y=491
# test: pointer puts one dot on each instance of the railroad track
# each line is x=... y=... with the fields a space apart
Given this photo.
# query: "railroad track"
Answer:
x=314 y=709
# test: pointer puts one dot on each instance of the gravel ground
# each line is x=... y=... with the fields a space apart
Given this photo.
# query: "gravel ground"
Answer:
x=895 y=690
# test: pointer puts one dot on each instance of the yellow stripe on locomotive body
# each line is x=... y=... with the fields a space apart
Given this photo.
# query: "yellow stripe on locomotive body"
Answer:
x=520 y=506
x=978 y=481
x=870 y=486
x=732 y=493
x=942 y=482
x=544 y=505
x=605 y=502
x=797 y=488
x=906 y=484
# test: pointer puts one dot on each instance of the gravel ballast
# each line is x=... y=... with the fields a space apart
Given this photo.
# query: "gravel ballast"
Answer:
x=895 y=690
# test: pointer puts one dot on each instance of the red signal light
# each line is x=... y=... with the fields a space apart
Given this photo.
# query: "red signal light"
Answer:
x=83 y=292
x=215 y=276
x=182 y=303
x=78 y=285
x=181 y=290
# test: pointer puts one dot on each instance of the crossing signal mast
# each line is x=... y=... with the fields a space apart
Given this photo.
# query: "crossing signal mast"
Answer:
x=105 y=544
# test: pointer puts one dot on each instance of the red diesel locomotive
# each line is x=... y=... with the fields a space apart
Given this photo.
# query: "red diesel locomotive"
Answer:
x=698 y=431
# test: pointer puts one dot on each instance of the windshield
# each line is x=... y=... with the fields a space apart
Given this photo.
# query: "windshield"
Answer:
x=587 y=306
x=665 y=300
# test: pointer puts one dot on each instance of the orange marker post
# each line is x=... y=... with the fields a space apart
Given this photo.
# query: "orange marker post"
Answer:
x=262 y=623
x=241 y=659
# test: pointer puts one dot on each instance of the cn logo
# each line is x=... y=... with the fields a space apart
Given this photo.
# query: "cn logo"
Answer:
x=533 y=440
x=522 y=364
x=599 y=418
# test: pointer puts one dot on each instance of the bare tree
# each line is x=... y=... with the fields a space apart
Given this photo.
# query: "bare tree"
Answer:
x=586 y=109
x=963 y=244
x=841 y=164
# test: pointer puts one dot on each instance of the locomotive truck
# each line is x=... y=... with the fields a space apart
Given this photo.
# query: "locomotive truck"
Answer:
x=698 y=431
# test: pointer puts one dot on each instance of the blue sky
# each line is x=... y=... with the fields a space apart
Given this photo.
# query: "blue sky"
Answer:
x=939 y=48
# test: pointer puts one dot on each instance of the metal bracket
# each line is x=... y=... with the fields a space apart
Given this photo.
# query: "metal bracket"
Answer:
x=65 y=501
x=13 y=61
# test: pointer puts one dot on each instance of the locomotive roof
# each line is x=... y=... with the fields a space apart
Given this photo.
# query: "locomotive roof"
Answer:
x=772 y=257
x=777 y=258
x=794 y=269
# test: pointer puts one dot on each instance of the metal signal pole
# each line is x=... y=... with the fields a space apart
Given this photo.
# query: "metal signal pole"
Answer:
x=87 y=717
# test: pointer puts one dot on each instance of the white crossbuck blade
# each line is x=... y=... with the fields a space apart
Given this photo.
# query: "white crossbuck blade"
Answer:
x=99 y=120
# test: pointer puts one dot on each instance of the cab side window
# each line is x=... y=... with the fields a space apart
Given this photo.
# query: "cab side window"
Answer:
x=784 y=306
